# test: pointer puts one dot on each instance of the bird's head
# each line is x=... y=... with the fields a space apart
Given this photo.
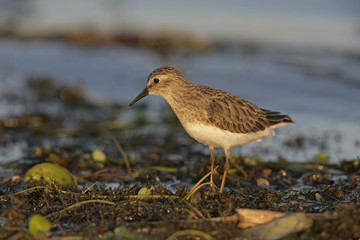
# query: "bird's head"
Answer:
x=161 y=82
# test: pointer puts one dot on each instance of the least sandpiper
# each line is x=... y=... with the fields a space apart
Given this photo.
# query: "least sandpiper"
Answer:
x=211 y=116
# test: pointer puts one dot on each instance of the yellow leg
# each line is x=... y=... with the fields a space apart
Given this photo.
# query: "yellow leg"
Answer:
x=226 y=169
x=212 y=161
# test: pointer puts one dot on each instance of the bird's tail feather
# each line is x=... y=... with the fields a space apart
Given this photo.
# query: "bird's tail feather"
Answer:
x=276 y=118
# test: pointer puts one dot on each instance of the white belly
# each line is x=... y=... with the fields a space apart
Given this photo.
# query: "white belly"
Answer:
x=212 y=136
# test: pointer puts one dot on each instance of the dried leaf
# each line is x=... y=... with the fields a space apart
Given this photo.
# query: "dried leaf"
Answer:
x=252 y=217
x=280 y=227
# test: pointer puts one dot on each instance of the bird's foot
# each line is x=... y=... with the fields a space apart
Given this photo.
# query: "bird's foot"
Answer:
x=199 y=184
x=214 y=188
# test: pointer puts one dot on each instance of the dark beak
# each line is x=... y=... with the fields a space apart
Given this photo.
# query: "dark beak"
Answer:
x=144 y=93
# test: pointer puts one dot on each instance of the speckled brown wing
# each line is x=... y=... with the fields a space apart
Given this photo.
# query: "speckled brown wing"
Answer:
x=236 y=115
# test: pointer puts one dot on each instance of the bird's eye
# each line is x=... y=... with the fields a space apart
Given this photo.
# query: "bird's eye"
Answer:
x=156 y=80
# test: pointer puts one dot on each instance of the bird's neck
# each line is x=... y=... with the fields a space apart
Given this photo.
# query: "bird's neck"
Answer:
x=181 y=102
x=178 y=94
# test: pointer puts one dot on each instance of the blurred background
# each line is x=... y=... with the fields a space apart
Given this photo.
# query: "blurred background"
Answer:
x=298 y=57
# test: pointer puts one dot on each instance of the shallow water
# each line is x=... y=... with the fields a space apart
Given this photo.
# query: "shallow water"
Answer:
x=319 y=90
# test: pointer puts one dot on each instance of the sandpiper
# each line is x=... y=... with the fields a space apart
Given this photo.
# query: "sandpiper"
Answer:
x=211 y=116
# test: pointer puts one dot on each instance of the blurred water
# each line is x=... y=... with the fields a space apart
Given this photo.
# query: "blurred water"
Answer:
x=319 y=90
x=322 y=23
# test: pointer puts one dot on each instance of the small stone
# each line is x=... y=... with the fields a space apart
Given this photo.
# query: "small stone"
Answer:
x=262 y=182
x=319 y=198
x=98 y=155
x=50 y=173
x=38 y=223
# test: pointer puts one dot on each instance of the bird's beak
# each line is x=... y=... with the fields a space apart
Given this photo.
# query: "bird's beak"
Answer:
x=144 y=93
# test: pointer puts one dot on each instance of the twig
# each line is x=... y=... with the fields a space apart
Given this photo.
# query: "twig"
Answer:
x=195 y=210
x=83 y=192
x=180 y=233
x=241 y=169
x=23 y=191
x=79 y=204
x=122 y=152
x=150 y=196
x=68 y=238
x=101 y=173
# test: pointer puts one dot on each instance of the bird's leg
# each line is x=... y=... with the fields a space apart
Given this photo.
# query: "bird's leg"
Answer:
x=212 y=160
x=226 y=169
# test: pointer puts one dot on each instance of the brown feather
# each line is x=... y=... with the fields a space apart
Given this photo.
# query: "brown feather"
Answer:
x=276 y=117
x=234 y=114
